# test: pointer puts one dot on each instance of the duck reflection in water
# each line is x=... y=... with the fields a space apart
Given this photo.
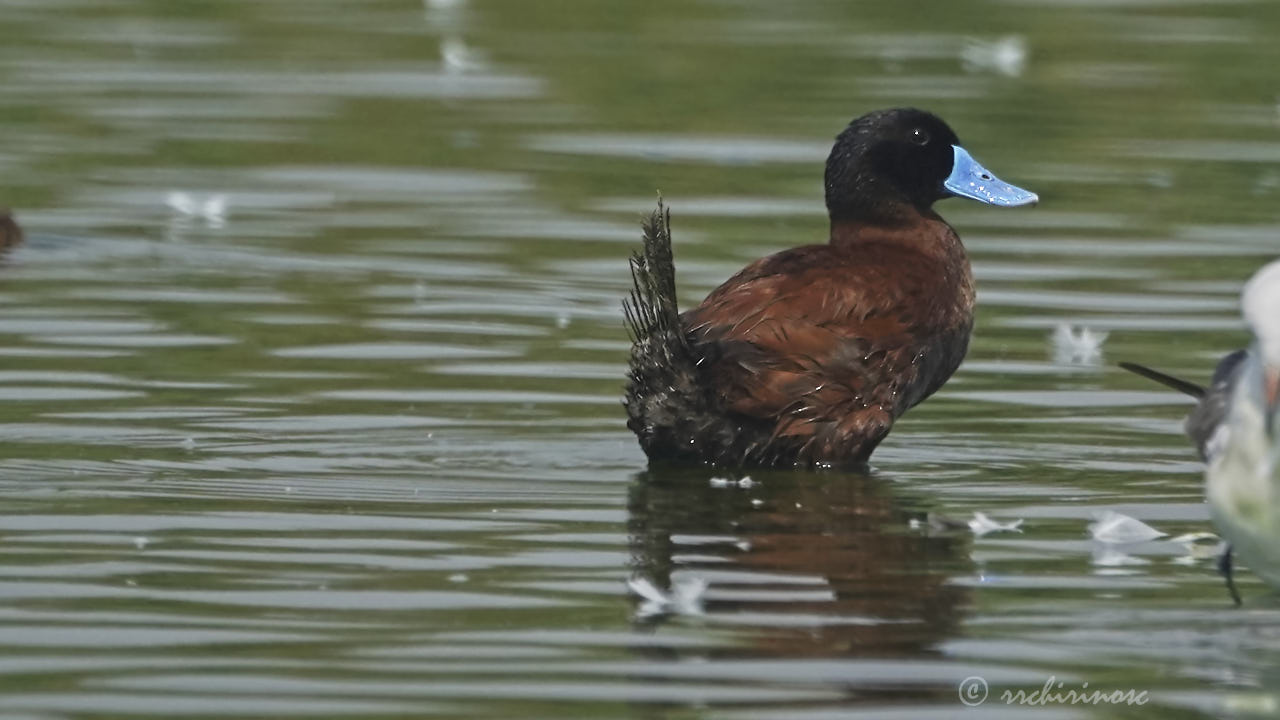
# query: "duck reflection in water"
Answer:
x=807 y=357
x=824 y=564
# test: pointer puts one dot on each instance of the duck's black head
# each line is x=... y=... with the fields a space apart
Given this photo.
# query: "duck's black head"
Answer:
x=888 y=159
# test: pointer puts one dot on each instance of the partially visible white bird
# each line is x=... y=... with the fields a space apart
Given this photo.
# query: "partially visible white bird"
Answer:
x=1242 y=482
x=1206 y=418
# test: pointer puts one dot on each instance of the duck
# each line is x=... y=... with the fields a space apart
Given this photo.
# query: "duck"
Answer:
x=806 y=358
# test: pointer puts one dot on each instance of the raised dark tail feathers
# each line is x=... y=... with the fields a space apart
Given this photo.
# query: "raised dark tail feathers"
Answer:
x=651 y=309
x=663 y=397
x=1185 y=387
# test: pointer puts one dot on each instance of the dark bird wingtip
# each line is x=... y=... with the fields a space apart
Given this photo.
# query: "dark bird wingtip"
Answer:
x=1186 y=387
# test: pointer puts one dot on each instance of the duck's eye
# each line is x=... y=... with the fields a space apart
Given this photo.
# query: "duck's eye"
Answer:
x=919 y=137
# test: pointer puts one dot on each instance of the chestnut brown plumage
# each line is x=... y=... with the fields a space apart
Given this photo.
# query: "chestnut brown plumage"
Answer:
x=805 y=358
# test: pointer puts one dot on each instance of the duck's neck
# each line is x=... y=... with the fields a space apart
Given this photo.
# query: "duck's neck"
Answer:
x=907 y=226
x=935 y=245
